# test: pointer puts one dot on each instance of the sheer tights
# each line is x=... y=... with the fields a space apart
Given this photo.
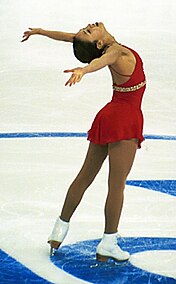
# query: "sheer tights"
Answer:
x=121 y=156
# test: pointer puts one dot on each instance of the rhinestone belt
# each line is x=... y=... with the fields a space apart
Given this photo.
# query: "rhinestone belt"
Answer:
x=129 y=89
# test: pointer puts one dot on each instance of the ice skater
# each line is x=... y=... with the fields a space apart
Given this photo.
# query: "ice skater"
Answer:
x=116 y=132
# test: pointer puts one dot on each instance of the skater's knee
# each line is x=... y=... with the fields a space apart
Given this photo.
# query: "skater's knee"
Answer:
x=117 y=185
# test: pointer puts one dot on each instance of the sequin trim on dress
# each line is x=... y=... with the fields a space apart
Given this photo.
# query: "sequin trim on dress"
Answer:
x=129 y=89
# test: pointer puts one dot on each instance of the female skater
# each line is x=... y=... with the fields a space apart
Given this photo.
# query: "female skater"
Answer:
x=116 y=131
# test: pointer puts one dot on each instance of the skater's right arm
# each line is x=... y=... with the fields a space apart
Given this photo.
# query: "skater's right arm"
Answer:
x=57 y=35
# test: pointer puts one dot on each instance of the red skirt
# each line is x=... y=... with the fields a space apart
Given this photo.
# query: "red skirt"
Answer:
x=116 y=121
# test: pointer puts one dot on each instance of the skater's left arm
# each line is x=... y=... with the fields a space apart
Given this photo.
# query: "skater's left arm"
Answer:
x=95 y=65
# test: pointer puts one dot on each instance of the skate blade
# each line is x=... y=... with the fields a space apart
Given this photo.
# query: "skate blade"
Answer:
x=53 y=251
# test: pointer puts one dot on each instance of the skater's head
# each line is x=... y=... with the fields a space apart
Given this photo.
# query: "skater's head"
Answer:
x=86 y=51
x=88 y=43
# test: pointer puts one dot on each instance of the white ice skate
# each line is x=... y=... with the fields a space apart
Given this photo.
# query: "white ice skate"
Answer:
x=108 y=248
x=58 y=235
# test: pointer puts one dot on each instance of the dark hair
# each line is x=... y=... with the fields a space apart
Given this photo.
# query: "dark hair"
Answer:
x=86 y=51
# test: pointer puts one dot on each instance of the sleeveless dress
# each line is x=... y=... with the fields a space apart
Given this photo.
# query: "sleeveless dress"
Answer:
x=122 y=118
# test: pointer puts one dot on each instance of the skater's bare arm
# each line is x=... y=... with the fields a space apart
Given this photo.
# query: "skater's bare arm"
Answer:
x=105 y=60
x=57 y=35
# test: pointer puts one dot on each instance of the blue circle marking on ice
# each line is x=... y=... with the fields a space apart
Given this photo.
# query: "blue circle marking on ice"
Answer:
x=164 y=186
x=79 y=260
x=14 y=272
x=72 y=135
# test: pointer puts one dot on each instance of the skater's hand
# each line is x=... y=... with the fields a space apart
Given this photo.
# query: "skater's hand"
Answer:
x=77 y=74
x=31 y=31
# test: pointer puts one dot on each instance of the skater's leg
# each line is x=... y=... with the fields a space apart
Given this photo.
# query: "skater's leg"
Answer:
x=121 y=157
x=94 y=159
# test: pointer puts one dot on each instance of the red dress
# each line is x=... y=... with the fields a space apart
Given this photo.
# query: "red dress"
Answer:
x=122 y=118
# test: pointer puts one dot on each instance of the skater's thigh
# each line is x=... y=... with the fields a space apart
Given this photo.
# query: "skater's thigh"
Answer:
x=95 y=157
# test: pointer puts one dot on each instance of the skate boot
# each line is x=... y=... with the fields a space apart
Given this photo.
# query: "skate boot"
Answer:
x=58 y=235
x=108 y=248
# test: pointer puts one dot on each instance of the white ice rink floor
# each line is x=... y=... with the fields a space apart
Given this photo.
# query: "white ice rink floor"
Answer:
x=43 y=144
